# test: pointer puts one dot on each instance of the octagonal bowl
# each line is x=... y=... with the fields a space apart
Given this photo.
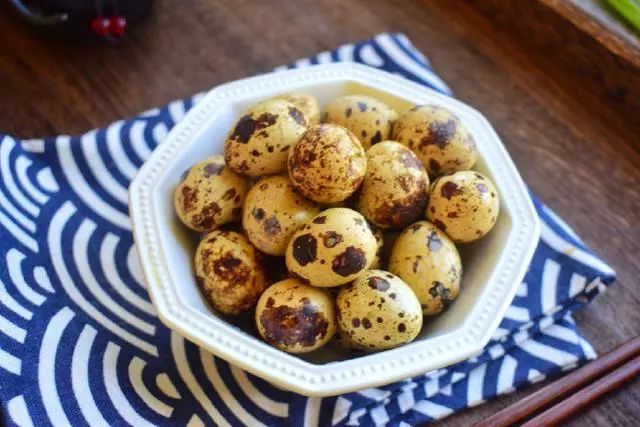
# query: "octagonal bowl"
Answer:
x=493 y=266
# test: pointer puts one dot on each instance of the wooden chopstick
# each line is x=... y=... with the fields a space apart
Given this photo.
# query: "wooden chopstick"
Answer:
x=563 y=410
x=565 y=386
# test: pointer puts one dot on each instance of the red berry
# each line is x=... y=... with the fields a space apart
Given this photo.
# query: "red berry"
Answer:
x=100 y=25
x=117 y=25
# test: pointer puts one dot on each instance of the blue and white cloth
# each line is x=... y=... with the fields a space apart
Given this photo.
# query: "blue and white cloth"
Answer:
x=80 y=342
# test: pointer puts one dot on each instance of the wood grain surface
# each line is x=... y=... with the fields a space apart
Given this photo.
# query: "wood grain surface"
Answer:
x=578 y=152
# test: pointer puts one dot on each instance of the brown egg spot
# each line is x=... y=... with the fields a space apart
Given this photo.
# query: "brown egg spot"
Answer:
x=255 y=153
x=387 y=337
x=348 y=112
x=205 y=219
x=378 y=283
x=270 y=302
x=247 y=126
x=189 y=198
x=362 y=107
x=400 y=213
x=440 y=134
x=229 y=194
x=479 y=176
x=258 y=213
x=433 y=242
x=243 y=166
x=213 y=168
x=450 y=189
x=320 y=219
x=236 y=212
x=331 y=238
x=363 y=133
x=289 y=326
x=415 y=227
x=452 y=214
x=297 y=116
x=305 y=249
x=439 y=224
x=355 y=322
x=366 y=323
x=231 y=269
x=393 y=296
x=402 y=327
x=404 y=181
x=271 y=225
x=379 y=320
x=349 y=262
x=438 y=290
x=482 y=187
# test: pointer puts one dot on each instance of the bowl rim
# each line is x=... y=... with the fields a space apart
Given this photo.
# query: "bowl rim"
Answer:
x=333 y=378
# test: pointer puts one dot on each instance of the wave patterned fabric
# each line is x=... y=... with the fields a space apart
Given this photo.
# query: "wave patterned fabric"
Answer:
x=80 y=342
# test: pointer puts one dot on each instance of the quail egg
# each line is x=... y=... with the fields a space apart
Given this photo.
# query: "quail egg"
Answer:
x=438 y=137
x=368 y=118
x=465 y=205
x=428 y=261
x=327 y=164
x=210 y=195
x=395 y=188
x=378 y=311
x=295 y=317
x=334 y=248
x=306 y=103
x=260 y=140
x=229 y=271
x=273 y=212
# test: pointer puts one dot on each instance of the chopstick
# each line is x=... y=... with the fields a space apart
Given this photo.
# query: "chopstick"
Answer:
x=601 y=368
x=587 y=395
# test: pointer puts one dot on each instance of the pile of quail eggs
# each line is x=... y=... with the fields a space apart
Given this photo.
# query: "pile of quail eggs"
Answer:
x=326 y=193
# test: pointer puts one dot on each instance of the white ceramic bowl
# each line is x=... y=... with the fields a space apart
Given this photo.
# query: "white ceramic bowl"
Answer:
x=493 y=267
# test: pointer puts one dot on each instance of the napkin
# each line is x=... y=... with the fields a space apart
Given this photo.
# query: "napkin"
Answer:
x=80 y=342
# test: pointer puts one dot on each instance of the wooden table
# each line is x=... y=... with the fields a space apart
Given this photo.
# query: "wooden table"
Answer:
x=577 y=151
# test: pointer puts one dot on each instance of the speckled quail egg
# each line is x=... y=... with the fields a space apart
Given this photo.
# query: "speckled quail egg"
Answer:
x=260 y=140
x=465 y=205
x=334 y=248
x=428 y=261
x=379 y=235
x=306 y=103
x=273 y=212
x=295 y=317
x=395 y=188
x=438 y=137
x=229 y=271
x=379 y=311
x=210 y=195
x=368 y=118
x=327 y=164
